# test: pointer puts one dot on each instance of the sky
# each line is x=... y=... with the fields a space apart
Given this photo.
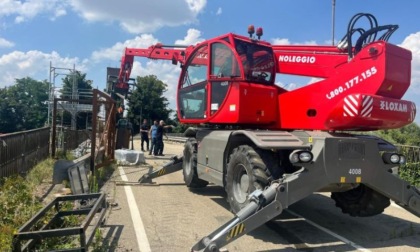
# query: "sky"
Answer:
x=90 y=35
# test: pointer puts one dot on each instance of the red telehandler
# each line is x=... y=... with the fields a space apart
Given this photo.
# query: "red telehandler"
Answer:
x=270 y=147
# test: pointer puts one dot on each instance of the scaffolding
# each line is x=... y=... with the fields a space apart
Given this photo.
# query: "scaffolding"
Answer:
x=74 y=107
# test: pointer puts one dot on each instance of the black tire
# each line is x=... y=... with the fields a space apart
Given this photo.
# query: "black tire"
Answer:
x=360 y=202
x=245 y=173
x=189 y=165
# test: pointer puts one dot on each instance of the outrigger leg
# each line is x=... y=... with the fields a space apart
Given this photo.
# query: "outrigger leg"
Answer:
x=175 y=164
x=262 y=207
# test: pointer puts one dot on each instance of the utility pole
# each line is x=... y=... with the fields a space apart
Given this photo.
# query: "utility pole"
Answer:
x=74 y=97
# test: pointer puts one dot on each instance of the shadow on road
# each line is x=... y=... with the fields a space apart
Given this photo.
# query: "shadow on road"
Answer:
x=376 y=232
x=381 y=231
x=215 y=193
x=111 y=238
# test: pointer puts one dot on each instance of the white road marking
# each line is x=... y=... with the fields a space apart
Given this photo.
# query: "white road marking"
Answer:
x=341 y=238
x=396 y=205
x=142 y=240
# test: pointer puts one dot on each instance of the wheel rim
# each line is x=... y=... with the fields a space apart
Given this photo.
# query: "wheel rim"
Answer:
x=240 y=184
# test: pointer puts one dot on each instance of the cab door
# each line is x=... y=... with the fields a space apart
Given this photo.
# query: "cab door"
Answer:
x=224 y=70
x=193 y=88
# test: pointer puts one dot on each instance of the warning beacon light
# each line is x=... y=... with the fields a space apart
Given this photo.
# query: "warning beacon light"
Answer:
x=259 y=32
x=251 y=30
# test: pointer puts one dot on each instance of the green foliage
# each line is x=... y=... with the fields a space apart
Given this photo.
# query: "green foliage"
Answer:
x=23 y=106
x=41 y=173
x=18 y=204
x=407 y=135
x=66 y=155
x=82 y=84
x=16 y=196
x=147 y=101
x=411 y=173
x=61 y=242
x=18 y=201
x=99 y=178
x=179 y=127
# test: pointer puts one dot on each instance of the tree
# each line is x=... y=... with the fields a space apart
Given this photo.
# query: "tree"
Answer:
x=179 y=127
x=82 y=84
x=84 y=88
x=407 y=135
x=23 y=106
x=147 y=101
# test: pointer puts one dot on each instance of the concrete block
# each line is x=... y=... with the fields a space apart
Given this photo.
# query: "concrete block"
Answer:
x=129 y=157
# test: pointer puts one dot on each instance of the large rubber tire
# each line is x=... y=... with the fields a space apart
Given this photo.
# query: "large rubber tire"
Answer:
x=189 y=165
x=361 y=201
x=245 y=173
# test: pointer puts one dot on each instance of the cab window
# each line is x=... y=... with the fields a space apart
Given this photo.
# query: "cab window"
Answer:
x=196 y=71
x=223 y=61
x=257 y=61
x=193 y=92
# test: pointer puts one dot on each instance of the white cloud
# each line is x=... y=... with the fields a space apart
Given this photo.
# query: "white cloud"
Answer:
x=196 y=5
x=139 y=16
x=289 y=86
x=192 y=38
x=285 y=41
x=219 y=11
x=280 y=41
x=58 y=13
x=6 y=43
x=116 y=51
x=412 y=43
x=310 y=42
x=26 y=10
x=34 y=64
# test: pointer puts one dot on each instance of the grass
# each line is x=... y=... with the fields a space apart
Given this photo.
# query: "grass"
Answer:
x=19 y=202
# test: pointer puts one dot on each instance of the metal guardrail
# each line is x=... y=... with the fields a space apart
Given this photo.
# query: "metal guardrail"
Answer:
x=176 y=139
x=20 y=151
x=412 y=153
x=86 y=230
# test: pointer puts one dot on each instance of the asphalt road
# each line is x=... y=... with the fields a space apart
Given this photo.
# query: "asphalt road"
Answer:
x=167 y=216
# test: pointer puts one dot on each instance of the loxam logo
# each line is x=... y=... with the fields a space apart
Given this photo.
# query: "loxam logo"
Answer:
x=297 y=59
x=394 y=106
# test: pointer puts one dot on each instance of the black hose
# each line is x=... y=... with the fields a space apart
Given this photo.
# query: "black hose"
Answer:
x=366 y=36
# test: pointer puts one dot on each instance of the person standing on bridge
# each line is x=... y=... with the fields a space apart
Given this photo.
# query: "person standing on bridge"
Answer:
x=144 y=133
x=160 y=132
x=152 y=135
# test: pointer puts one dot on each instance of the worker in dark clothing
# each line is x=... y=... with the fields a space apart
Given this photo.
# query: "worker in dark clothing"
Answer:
x=160 y=132
x=144 y=133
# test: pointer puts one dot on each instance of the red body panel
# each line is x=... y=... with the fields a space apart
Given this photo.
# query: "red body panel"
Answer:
x=247 y=104
x=361 y=93
x=385 y=74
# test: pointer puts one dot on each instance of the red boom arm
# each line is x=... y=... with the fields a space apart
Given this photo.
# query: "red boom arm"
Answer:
x=157 y=51
x=313 y=61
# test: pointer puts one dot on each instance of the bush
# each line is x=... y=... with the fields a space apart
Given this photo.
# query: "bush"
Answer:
x=411 y=173
x=18 y=205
